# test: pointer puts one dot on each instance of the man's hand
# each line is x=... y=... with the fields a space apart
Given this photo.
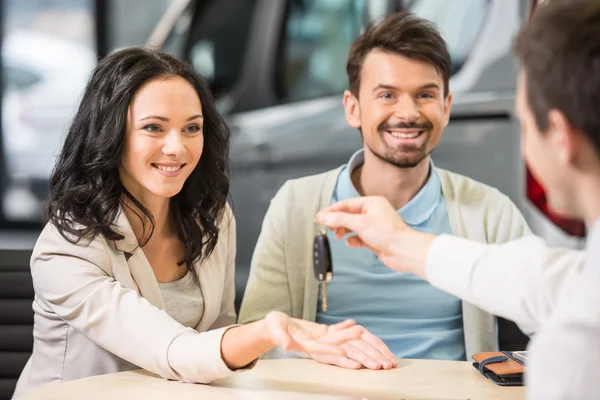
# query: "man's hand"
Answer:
x=378 y=227
x=368 y=351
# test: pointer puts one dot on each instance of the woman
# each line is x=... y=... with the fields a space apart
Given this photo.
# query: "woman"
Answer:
x=135 y=268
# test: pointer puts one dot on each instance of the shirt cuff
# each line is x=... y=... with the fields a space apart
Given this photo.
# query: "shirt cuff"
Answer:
x=196 y=357
x=450 y=264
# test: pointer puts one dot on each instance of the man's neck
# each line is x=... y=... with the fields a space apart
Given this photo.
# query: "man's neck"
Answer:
x=398 y=185
x=589 y=195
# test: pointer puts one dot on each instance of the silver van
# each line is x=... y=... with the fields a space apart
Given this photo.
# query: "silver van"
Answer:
x=277 y=68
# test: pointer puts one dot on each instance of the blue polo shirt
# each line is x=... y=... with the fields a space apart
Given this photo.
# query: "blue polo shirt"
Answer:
x=414 y=319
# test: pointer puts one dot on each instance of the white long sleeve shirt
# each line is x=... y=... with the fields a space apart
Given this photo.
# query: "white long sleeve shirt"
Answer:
x=555 y=292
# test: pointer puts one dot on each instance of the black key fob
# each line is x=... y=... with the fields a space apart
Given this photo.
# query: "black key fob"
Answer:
x=322 y=258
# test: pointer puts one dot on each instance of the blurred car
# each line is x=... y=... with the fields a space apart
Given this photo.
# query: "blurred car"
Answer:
x=278 y=70
x=43 y=79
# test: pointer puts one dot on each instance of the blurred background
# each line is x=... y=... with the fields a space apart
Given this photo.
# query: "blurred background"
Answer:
x=277 y=69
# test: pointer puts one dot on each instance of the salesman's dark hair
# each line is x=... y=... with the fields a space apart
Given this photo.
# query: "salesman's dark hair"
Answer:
x=559 y=49
x=86 y=192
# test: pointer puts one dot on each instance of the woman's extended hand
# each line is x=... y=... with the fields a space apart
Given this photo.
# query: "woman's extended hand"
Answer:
x=293 y=334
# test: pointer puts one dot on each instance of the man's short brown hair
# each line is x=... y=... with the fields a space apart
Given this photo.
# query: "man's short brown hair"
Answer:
x=559 y=50
x=403 y=34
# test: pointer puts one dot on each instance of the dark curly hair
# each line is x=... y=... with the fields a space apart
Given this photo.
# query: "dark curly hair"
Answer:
x=86 y=193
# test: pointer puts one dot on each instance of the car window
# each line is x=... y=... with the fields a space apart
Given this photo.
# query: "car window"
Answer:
x=218 y=41
x=318 y=34
x=459 y=23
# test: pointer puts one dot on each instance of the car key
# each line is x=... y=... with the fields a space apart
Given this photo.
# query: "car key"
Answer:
x=323 y=267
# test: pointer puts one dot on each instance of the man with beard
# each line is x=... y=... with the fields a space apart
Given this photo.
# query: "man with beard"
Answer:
x=400 y=101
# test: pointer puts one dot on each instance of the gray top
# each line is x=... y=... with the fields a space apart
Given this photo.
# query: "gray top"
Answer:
x=183 y=299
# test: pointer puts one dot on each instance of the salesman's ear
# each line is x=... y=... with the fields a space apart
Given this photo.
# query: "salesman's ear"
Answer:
x=568 y=141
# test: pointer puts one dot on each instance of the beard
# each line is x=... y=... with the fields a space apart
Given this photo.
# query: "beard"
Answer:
x=404 y=156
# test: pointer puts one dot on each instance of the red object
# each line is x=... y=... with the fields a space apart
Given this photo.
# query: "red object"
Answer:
x=533 y=4
x=537 y=195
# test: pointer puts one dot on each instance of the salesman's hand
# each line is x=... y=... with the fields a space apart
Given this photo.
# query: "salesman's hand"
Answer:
x=378 y=227
x=368 y=351
x=293 y=334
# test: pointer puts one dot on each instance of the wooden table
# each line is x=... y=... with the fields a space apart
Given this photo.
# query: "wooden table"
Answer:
x=295 y=379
